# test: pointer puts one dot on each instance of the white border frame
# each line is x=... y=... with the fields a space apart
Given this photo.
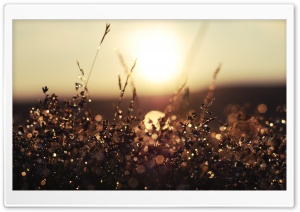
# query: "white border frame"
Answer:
x=147 y=198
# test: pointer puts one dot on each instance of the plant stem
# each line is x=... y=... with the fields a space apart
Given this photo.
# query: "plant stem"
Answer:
x=107 y=29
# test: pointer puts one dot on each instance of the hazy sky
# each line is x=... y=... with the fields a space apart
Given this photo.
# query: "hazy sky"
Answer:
x=167 y=51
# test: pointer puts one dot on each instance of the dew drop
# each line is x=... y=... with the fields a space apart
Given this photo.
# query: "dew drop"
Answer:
x=43 y=182
x=39 y=160
x=222 y=128
x=133 y=182
x=29 y=135
x=151 y=142
x=150 y=163
x=218 y=136
x=98 y=118
x=159 y=159
x=210 y=174
x=263 y=165
x=154 y=136
x=140 y=169
x=262 y=108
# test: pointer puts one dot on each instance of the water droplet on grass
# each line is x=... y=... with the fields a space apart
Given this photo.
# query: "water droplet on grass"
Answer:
x=133 y=182
x=159 y=159
x=43 y=182
x=210 y=174
x=262 y=108
x=154 y=136
x=140 y=169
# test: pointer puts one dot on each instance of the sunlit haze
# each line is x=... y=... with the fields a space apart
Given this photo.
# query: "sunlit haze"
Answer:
x=159 y=56
x=167 y=51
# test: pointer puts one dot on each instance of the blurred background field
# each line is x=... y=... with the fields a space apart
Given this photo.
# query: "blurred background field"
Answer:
x=272 y=96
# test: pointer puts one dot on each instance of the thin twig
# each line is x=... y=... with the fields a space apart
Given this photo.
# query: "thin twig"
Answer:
x=193 y=51
x=124 y=87
x=125 y=67
x=212 y=86
x=173 y=99
x=127 y=78
x=107 y=30
x=208 y=100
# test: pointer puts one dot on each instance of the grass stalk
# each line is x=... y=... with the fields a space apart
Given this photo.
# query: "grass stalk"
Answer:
x=107 y=30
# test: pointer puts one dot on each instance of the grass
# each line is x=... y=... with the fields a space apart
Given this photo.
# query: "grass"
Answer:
x=67 y=147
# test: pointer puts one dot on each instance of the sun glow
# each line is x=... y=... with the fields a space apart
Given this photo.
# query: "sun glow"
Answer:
x=152 y=117
x=158 y=59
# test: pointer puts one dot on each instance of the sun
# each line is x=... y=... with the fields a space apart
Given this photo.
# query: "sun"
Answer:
x=158 y=59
